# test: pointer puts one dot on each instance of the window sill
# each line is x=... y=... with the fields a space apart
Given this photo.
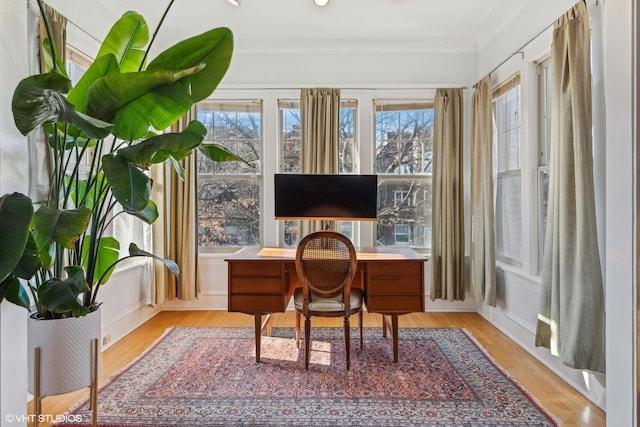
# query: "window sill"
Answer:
x=519 y=272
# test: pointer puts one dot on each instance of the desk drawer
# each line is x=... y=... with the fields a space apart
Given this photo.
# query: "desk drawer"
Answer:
x=257 y=303
x=395 y=286
x=395 y=268
x=255 y=285
x=394 y=303
x=255 y=268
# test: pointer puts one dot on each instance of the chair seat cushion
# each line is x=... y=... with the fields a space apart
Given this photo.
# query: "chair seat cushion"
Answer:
x=327 y=304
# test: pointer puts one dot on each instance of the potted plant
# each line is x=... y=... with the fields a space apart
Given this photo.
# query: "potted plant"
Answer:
x=55 y=257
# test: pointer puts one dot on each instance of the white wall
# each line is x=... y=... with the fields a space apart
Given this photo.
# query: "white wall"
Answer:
x=126 y=300
x=13 y=177
x=621 y=108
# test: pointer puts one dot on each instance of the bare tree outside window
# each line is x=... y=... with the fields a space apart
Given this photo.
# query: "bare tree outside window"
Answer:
x=403 y=160
x=229 y=192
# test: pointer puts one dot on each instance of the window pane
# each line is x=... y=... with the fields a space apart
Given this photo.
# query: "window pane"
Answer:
x=290 y=139
x=404 y=141
x=513 y=149
x=502 y=152
x=229 y=212
x=238 y=132
x=346 y=159
x=508 y=217
x=128 y=229
x=506 y=108
x=546 y=102
x=404 y=220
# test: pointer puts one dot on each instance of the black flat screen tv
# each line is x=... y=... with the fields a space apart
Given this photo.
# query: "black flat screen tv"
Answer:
x=316 y=196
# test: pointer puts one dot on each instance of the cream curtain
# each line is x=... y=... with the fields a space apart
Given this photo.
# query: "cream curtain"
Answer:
x=483 y=251
x=571 y=315
x=40 y=156
x=178 y=235
x=447 y=246
x=159 y=233
x=320 y=115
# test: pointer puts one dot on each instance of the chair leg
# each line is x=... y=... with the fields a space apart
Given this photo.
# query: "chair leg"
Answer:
x=307 y=341
x=347 y=342
x=360 y=320
x=298 y=329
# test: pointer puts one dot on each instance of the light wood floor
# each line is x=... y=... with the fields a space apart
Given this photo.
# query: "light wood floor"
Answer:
x=564 y=402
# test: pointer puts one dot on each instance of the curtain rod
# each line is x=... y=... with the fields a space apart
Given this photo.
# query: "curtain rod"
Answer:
x=520 y=49
x=372 y=88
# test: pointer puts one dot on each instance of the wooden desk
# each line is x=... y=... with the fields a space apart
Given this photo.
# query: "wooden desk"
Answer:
x=262 y=281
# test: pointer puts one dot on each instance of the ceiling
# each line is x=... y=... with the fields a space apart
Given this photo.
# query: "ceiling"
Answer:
x=277 y=25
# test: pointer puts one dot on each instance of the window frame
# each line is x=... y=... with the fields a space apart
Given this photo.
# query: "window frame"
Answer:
x=502 y=90
x=423 y=177
x=544 y=143
x=238 y=106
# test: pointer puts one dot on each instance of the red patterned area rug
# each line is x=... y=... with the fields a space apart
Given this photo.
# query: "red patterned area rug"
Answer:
x=208 y=377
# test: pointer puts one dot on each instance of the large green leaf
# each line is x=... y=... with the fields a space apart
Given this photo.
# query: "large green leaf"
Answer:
x=129 y=185
x=11 y=289
x=120 y=99
x=38 y=99
x=165 y=104
x=63 y=226
x=218 y=153
x=149 y=214
x=126 y=41
x=16 y=211
x=41 y=99
x=213 y=48
x=134 y=250
x=99 y=68
x=159 y=148
x=30 y=261
x=59 y=295
x=108 y=253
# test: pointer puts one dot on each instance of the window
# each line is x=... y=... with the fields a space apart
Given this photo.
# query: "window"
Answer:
x=125 y=228
x=229 y=192
x=77 y=64
x=544 y=140
x=402 y=234
x=290 y=143
x=506 y=109
x=403 y=199
x=403 y=162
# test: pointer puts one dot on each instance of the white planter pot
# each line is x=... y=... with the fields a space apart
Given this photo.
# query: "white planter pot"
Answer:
x=66 y=352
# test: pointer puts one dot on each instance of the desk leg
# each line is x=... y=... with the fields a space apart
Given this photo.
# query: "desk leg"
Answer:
x=394 y=328
x=258 y=331
x=384 y=326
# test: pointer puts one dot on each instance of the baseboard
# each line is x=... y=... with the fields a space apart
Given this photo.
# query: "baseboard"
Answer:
x=125 y=324
x=590 y=385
